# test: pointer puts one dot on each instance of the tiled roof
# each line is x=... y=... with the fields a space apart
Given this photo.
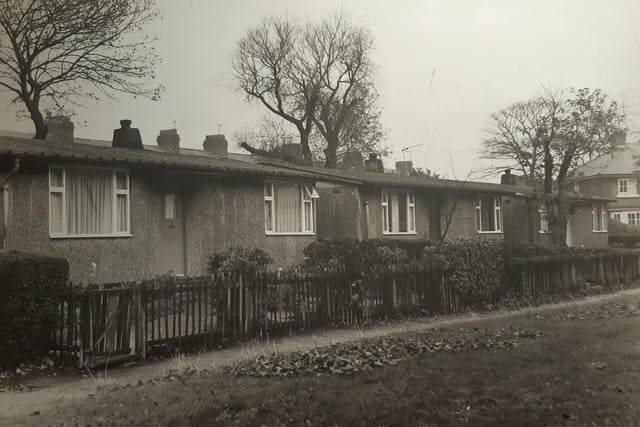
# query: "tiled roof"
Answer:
x=34 y=148
x=622 y=161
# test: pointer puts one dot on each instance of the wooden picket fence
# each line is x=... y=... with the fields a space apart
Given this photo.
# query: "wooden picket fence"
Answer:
x=127 y=321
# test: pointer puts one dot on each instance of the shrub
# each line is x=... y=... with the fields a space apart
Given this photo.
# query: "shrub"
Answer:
x=237 y=259
x=618 y=228
x=361 y=255
x=474 y=266
x=30 y=290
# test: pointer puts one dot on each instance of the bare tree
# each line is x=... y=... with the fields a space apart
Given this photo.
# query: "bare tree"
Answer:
x=313 y=76
x=521 y=135
x=589 y=126
x=270 y=67
x=361 y=131
x=547 y=137
x=272 y=138
x=342 y=53
x=59 y=50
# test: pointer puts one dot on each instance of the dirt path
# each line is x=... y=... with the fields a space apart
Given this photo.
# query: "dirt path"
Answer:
x=45 y=392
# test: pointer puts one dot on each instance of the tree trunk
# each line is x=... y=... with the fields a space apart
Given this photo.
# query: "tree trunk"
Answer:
x=307 y=159
x=36 y=116
x=331 y=153
x=548 y=168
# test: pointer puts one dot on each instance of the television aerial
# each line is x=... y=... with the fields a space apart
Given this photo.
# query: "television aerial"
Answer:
x=405 y=149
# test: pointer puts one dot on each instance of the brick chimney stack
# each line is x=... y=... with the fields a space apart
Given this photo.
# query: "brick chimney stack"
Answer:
x=60 y=129
x=507 y=178
x=404 y=167
x=216 y=145
x=127 y=137
x=353 y=160
x=169 y=140
x=373 y=164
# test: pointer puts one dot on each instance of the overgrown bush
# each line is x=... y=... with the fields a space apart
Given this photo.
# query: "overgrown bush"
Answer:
x=619 y=228
x=474 y=266
x=361 y=255
x=30 y=290
x=237 y=259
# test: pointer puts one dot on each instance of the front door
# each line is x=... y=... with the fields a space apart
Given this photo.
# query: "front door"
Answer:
x=172 y=239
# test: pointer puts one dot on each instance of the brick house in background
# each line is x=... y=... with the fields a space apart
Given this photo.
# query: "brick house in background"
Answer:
x=121 y=210
x=615 y=175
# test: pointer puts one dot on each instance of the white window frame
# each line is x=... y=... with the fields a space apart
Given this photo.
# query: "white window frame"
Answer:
x=308 y=194
x=636 y=218
x=627 y=187
x=387 y=207
x=114 y=207
x=544 y=221
x=497 y=215
x=599 y=210
x=617 y=216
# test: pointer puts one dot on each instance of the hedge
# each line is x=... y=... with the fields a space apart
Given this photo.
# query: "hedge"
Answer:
x=361 y=255
x=30 y=289
x=475 y=267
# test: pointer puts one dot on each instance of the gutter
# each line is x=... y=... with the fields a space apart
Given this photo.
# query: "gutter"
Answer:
x=4 y=184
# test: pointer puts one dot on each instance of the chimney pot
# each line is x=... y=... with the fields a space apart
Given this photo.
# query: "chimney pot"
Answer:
x=127 y=137
x=216 y=145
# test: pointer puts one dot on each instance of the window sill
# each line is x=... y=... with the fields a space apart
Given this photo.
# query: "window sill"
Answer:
x=299 y=233
x=489 y=232
x=599 y=231
x=544 y=232
x=88 y=236
x=627 y=196
x=400 y=233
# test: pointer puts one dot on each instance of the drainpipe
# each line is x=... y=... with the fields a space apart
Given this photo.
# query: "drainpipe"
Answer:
x=4 y=183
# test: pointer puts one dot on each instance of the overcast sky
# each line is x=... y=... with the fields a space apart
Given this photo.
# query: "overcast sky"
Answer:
x=486 y=55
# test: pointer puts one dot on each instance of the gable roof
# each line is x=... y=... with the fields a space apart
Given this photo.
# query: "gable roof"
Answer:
x=621 y=161
x=87 y=152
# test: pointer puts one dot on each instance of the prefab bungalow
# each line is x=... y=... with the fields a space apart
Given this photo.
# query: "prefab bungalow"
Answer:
x=122 y=211
x=372 y=203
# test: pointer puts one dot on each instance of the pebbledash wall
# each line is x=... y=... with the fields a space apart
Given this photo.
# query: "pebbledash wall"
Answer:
x=227 y=212
x=115 y=258
x=220 y=213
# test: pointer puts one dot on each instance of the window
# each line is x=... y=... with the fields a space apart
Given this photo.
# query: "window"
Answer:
x=617 y=217
x=599 y=216
x=627 y=188
x=289 y=208
x=169 y=206
x=398 y=212
x=633 y=218
x=544 y=221
x=489 y=216
x=86 y=202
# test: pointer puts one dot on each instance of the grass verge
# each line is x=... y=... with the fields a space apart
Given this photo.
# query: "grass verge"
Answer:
x=575 y=366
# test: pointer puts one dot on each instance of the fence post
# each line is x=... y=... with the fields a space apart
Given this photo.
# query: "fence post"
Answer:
x=141 y=340
x=394 y=296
